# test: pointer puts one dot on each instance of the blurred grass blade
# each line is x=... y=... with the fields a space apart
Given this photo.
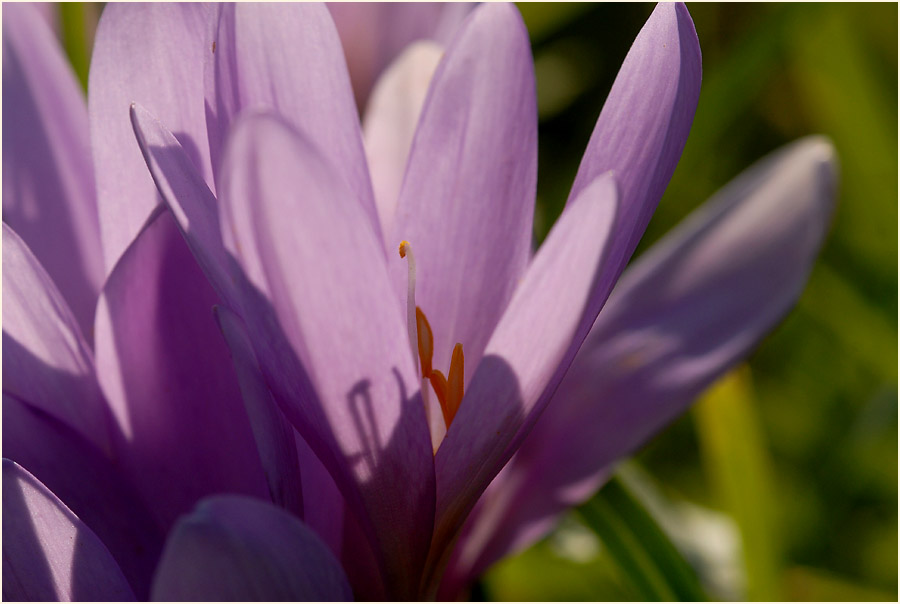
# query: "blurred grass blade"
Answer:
x=73 y=20
x=731 y=444
x=648 y=559
x=847 y=92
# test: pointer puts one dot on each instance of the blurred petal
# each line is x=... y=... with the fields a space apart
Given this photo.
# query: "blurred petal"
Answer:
x=287 y=58
x=48 y=553
x=644 y=124
x=90 y=485
x=687 y=311
x=46 y=362
x=167 y=374
x=239 y=549
x=467 y=200
x=154 y=54
x=48 y=179
x=331 y=342
x=373 y=33
x=49 y=12
x=508 y=390
x=390 y=123
x=274 y=435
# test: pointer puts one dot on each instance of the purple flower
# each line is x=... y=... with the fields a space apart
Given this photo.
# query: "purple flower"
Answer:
x=412 y=419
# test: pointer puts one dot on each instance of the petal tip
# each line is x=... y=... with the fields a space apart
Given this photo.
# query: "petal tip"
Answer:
x=140 y=118
x=819 y=148
x=676 y=19
x=499 y=14
x=818 y=153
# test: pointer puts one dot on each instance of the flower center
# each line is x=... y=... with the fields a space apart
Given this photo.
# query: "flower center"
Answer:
x=449 y=389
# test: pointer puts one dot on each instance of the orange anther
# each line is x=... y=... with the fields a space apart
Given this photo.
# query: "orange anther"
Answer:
x=426 y=342
x=439 y=383
x=450 y=391
x=455 y=381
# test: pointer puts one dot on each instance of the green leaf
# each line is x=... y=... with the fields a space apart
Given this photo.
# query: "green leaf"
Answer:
x=734 y=453
x=643 y=552
x=547 y=572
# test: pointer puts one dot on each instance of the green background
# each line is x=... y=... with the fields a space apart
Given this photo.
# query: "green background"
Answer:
x=782 y=482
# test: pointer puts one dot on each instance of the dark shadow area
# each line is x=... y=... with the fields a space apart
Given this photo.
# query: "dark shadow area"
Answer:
x=85 y=479
x=485 y=453
x=360 y=562
x=404 y=573
x=190 y=149
x=359 y=401
x=186 y=431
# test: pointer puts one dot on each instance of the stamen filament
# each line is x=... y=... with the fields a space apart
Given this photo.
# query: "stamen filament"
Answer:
x=406 y=252
x=439 y=383
x=449 y=390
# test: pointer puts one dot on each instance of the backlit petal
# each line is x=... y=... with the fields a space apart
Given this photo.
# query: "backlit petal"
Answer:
x=467 y=200
x=89 y=483
x=190 y=201
x=694 y=305
x=194 y=208
x=286 y=57
x=390 y=123
x=274 y=435
x=374 y=33
x=511 y=384
x=644 y=124
x=153 y=54
x=48 y=553
x=166 y=371
x=48 y=178
x=328 y=333
x=46 y=361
